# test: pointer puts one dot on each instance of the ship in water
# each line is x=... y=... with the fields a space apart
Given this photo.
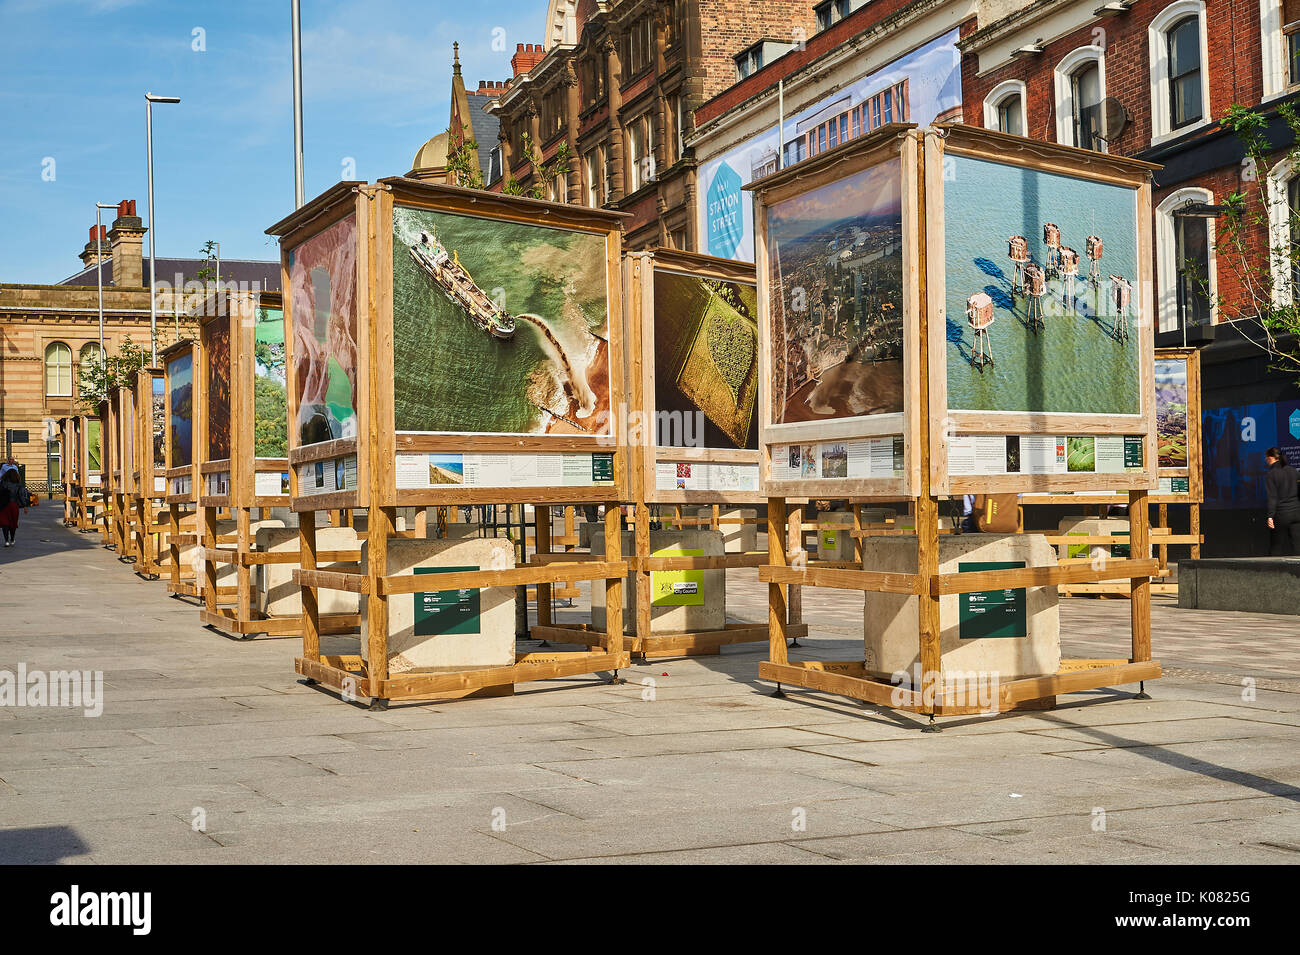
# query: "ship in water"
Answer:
x=450 y=276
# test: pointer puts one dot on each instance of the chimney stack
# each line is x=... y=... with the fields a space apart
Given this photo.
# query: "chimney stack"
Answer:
x=127 y=241
x=527 y=55
x=94 y=251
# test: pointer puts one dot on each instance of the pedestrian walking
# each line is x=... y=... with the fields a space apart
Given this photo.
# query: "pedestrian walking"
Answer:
x=1283 y=504
x=13 y=496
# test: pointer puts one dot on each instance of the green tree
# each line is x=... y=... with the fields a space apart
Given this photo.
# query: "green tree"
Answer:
x=109 y=372
x=270 y=414
x=460 y=163
x=1268 y=310
x=543 y=172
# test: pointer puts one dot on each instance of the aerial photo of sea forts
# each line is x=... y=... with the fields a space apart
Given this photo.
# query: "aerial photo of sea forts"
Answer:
x=499 y=327
x=836 y=260
x=323 y=305
x=1025 y=330
x=1171 y=413
x=705 y=360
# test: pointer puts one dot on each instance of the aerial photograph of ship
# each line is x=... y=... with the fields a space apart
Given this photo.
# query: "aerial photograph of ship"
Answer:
x=499 y=327
x=836 y=261
x=1025 y=331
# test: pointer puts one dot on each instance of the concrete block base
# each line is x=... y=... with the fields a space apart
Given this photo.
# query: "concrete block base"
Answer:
x=709 y=614
x=736 y=538
x=891 y=625
x=439 y=633
x=275 y=593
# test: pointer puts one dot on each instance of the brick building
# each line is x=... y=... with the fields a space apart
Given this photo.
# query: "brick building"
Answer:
x=1152 y=79
x=48 y=333
x=618 y=83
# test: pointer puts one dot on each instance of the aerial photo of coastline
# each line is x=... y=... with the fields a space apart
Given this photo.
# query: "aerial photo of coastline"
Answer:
x=180 y=379
x=705 y=360
x=1042 y=288
x=836 y=260
x=498 y=327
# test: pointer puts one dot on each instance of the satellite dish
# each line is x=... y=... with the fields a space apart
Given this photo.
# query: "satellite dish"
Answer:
x=1113 y=119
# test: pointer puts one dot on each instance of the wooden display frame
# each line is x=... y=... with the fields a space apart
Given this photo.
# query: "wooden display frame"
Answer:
x=1162 y=537
x=148 y=532
x=183 y=480
x=644 y=454
x=927 y=584
x=95 y=514
x=230 y=483
x=377 y=443
x=1004 y=149
x=116 y=439
x=67 y=466
x=891 y=142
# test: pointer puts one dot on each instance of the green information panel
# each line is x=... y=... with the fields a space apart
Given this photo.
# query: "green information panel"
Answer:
x=1133 y=451
x=602 y=468
x=1179 y=485
x=677 y=588
x=991 y=613
x=446 y=611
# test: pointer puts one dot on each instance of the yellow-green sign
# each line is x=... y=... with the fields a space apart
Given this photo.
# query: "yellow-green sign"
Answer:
x=677 y=588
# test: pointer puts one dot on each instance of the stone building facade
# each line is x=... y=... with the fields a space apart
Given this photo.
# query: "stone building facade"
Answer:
x=48 y=333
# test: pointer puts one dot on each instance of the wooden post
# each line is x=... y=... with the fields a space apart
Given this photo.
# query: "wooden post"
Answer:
x=208 y=540
x=613 y=585
x=380 y=528
x=794 y=592
x=1195 y=515
x=1163 y=549
x=310 y=602
x=542 y=545
x=1139 y=540
x=243 y=571
x=857 y=527
x=776 y=557
x=641 y=550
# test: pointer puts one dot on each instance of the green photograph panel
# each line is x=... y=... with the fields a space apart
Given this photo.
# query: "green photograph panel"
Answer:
x=93 y=458
x=705 y=361
x=1042 y=291
x=323 y=302
x=180 y=408
x=498 y=327
x=835 y=260
x=270 y=409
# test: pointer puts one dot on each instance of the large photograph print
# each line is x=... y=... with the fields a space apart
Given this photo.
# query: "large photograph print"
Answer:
x=158 y=422
x=835 y=259
x=705 y=361
x=1171 y=412
x=270 y=424
x=323 y=297
x=180 y=381
x=498 y=327
x=1042 y=291
x=217 y=355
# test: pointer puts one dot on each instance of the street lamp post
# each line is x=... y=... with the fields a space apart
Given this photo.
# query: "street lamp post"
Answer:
x=149 y=100
x=299 y=189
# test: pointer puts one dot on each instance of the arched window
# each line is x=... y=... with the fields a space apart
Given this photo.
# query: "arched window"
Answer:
x=1284 y=230
x=87 y=361
x=1185 y=269
x=1080 y=88
x=58 y=370
x=1004 y=108
x=1180 y=87
x=1279 y=29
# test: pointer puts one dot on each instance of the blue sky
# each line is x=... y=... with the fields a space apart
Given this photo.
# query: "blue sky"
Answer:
x=73 y=74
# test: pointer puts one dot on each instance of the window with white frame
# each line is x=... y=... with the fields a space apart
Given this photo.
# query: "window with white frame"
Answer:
x=641 y=159
x=594 y=173
x=1004 y=108
x=1080 y=80
x=87 y=362
x=1279 y=30
x=58 y=370
x=1180 y=80
x=1284 y=230
x=1185 y=267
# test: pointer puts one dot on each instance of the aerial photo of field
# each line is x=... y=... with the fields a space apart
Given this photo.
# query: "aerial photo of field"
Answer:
x=836 y=261
x=1171 y=412
x=705 y=360
x=498 y=327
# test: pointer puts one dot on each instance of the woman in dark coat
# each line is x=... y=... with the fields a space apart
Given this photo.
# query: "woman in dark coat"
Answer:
x=12 y=496
x=1283 y=504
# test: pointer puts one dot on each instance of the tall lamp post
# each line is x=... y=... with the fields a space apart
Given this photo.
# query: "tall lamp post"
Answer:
x=149 y=100
x=299 y=189
x=99 y=267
